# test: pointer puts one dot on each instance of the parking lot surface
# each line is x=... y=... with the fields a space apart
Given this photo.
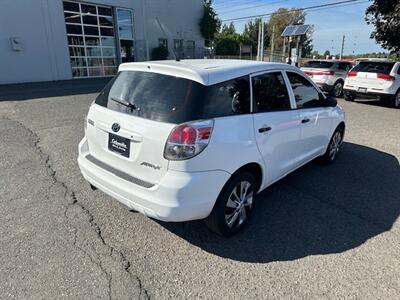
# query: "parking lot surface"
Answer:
x=322 y=232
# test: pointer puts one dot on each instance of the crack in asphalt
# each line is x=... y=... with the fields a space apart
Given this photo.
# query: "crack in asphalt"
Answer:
x=70 y=195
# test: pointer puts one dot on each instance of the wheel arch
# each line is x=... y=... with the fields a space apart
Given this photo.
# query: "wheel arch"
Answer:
x=342 y=127
x=255 y=169
x=340 y=80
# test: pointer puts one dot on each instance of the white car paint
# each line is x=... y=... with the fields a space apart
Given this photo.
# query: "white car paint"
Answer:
x=182 y=190
x=369 y=83
x=326 y=78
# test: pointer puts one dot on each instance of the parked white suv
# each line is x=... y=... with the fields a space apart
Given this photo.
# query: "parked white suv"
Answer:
x=374 y=79
x=329 y=75
x=198 y=139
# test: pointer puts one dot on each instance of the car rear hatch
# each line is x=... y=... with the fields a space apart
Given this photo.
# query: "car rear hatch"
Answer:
x=371 y=75
x=131 y=119
x=319 y=71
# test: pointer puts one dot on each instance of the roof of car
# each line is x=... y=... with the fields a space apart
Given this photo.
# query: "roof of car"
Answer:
x=375 y=60
x=205 y=71
x=330 y=60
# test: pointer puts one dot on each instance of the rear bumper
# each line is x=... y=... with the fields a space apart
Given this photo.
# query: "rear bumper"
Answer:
x=368 y=94
x=180 y=196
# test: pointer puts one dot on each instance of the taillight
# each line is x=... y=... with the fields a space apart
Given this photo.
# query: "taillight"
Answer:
x=329 y=73
x=188 y=140
x=385 y=77
x=351 y=74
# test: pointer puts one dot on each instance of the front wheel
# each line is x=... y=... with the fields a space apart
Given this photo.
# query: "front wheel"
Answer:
x=234 y=205
x=334 y=147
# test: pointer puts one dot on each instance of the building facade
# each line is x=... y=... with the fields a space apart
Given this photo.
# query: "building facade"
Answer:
x=47 y=40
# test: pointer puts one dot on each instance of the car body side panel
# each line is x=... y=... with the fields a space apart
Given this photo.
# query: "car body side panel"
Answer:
x=232 y=145
x=315 y=134
x=279 y=146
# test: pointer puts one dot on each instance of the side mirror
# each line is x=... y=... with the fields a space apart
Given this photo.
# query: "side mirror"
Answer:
x=330 y=102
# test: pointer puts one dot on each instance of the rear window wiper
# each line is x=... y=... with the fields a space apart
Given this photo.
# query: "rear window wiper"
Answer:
x=132 y=106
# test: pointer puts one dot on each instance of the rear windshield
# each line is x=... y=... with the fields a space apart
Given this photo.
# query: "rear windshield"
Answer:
x=374 y=67
x=319 y=64
x=172 y=99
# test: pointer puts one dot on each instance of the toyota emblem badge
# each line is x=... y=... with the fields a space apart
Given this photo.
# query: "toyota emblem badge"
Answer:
x=116 y=127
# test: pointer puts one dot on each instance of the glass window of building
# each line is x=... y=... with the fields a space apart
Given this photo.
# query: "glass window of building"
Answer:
x=126 y=34
x=91 y=39
x=163 y=42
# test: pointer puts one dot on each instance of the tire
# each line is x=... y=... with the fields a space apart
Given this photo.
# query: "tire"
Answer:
x=333 y=147
x=349 y=97
x=394 y=101
x=230 y=213
x=337 y=91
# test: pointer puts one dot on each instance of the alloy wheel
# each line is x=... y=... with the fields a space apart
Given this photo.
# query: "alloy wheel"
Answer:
x=338 y=89
x=239 y=204
x=334 y=147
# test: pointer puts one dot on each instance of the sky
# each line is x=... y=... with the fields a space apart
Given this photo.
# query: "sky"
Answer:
x=330 y=24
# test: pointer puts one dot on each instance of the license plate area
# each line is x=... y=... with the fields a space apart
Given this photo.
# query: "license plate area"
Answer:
x=119 y=144
x=362 y=90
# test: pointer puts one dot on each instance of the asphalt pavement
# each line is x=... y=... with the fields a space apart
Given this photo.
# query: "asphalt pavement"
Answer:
x=322 y=232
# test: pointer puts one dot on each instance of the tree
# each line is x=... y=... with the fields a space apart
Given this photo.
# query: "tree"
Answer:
x=384 y=15
x=326 y=53
x=250 y=34
x=315 y=54
x=307 y=43
x=227 y=41
x=228 y=29
x=209 y=23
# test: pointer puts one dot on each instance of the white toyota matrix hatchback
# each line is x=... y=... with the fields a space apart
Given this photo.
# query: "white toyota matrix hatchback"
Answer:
x=198 y=139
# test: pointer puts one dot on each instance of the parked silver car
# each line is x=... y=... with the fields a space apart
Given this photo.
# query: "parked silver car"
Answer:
x=329 y=75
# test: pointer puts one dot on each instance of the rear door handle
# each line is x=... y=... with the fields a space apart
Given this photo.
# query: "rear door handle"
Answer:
x=306 y=120
x=264 y=129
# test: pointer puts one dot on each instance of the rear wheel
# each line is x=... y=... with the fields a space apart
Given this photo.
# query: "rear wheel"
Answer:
x=333 y=147
x=338 y=89
x=234 y=205
x=395 y=100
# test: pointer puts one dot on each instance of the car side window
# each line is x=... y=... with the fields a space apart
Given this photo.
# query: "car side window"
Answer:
x=306 y=95
x=270 y=92
x=398 y=70
x=228 y=98
x=344 y=66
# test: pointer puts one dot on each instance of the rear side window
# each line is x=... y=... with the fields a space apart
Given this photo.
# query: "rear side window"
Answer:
x=270 y=92
x=344 y=66
x=305 y=93
x=319 y=64
x=227 y=98
x=374 y=67
x=172 y=99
